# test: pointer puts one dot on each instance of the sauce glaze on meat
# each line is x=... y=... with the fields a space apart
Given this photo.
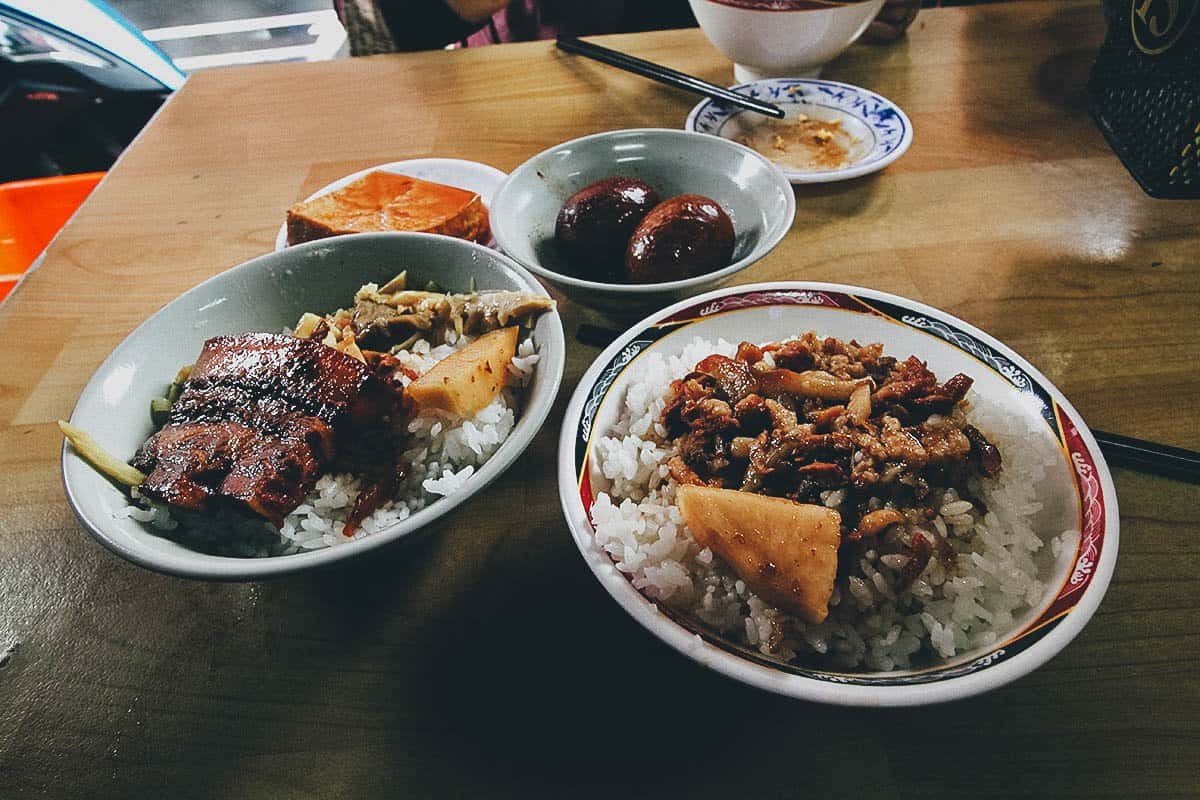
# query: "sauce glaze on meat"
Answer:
x=804 y=417
x=258 y=421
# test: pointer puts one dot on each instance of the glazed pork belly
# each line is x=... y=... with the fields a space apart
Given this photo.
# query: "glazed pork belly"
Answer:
x=258 y=421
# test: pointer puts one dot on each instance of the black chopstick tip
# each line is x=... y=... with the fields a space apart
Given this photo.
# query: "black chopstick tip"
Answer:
x=665 y=75
x=1149 y=457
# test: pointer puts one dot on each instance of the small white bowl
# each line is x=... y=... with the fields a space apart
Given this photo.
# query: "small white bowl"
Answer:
x=470 y=175
x=751 y=189
x=880 y=130
x=1076 y=492
x=267 y=294
x=768 y=38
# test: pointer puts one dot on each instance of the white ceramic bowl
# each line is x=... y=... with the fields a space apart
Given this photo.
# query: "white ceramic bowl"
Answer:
x=267 y=294
x=752 y=190
x=1077 y=491
x=773 y=38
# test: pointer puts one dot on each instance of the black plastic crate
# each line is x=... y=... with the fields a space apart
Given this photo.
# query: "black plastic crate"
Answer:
x=1144 y=92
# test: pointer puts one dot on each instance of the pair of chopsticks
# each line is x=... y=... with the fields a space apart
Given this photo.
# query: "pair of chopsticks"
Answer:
x=671 y=77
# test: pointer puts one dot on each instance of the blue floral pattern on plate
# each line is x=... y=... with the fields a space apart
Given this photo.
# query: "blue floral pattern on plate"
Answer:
x=890 y=126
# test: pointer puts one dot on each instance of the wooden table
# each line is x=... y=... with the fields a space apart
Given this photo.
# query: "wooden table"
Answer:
x=486 y=661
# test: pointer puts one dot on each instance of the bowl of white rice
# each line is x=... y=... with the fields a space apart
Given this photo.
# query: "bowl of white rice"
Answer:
x=449 y=459
x=1031 y=550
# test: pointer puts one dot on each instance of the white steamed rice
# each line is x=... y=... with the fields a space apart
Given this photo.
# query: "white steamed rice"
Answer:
x=444 y=451
x=871 y=624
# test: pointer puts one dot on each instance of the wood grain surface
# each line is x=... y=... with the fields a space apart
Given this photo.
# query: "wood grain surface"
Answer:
x=485 y=660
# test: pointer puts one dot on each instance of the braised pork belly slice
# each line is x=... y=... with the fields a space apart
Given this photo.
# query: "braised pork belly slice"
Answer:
x=195 y=465
x=272 y=416
x=258 y=421
x=306 y=374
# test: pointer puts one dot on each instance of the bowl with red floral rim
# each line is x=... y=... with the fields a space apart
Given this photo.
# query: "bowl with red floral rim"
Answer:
x=1071 y=506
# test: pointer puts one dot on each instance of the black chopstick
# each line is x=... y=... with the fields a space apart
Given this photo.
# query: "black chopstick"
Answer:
x=671 y=77
x=1155 y=459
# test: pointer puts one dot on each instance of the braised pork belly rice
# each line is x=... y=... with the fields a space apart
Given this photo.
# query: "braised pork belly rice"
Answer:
x=444 y=450
x=272 y=444
x=932 y=495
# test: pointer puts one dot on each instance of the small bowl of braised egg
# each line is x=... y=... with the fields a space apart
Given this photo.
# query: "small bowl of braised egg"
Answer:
x=630 y=220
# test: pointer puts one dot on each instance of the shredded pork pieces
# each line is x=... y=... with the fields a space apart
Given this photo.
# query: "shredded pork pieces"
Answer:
x=800 y=418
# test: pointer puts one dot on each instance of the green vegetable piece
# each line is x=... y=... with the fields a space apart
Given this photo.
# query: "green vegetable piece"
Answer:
x=177 y=385
x=160 y=407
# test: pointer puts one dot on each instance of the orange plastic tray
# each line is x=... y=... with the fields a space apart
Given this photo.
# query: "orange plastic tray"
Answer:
x=31 y=212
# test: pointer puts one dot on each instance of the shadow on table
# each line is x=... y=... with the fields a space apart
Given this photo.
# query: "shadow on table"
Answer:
x=543 y=686
x=1052 y=95
x=838 y=200
x=549 y=687
x=1061 y=80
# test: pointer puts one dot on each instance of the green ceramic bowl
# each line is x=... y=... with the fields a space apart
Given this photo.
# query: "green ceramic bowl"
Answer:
x=752 y=190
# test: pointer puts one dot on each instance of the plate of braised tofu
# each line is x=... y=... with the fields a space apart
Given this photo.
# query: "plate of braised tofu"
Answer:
x=447 y=196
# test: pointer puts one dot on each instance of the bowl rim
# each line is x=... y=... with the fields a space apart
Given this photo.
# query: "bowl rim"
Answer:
x=187 y=563
x=760 y=250
x=989 y=672
x=795 y=176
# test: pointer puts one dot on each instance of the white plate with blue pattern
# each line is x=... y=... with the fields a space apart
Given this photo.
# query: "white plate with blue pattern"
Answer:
x=876 y=131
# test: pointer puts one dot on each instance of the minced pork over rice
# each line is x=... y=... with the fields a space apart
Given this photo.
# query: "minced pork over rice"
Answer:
x=993 y=580
x=443 y=450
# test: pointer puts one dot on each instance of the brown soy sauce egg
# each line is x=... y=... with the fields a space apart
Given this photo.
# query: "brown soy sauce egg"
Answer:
x=682 y=237
x=594 y=225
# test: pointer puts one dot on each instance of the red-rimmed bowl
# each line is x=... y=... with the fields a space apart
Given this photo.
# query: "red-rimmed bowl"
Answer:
x=1076 y=493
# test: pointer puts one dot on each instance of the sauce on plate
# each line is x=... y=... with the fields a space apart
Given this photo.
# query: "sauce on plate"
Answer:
x=801 y=143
